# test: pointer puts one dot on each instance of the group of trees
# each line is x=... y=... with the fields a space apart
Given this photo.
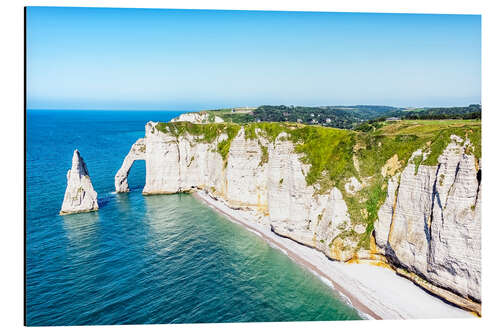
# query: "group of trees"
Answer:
x=329 y=116
x=370 y=125
x=358 y=117
x=472 y=111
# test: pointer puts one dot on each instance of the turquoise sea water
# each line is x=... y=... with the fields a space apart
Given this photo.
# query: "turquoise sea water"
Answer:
x=139 y=260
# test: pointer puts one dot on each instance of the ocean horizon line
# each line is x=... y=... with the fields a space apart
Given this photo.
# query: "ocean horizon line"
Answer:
x=127 y=110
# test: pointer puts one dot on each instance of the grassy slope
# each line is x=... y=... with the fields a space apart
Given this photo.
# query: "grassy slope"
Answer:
x=330 y=153
x=228 y=116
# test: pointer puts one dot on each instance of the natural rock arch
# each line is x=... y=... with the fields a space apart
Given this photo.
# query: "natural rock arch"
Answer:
x=137 y=152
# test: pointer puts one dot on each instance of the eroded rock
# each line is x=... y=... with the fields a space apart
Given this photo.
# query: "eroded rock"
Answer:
x=80 y=195
x=430 y=222
x=137 y=152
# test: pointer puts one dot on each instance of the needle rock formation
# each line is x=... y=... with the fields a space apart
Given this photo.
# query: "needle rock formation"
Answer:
x=80 y=196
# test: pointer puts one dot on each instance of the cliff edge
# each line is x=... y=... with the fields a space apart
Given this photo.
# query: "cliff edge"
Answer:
x=407 y=195
x=198 y=118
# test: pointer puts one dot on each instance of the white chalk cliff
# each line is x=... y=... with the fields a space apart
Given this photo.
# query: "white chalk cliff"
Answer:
x=198 y=118
x=428 y=228
x=80 y=195
x=137 y=152
x=430 y=223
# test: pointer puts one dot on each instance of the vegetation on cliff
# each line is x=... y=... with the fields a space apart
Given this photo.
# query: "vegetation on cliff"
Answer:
x=396 y=141
x=358 y=117
x=336 y=155
x=206 y=133
x=328 y=150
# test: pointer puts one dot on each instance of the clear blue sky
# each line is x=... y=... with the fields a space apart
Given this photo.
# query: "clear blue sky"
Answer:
x=192 y=59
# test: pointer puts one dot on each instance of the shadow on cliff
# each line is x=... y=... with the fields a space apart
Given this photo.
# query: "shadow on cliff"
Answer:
x=395 y=263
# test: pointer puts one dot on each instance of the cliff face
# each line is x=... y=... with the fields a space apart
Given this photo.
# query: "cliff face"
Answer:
x=181 y=164
x=80 y=195
x=266 y=176
x=428 y=222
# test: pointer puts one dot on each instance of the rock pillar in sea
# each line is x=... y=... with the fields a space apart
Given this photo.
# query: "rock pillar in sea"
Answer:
x=137 y=152
x=80 y=195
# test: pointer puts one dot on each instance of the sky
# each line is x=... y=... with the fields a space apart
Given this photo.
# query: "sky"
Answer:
x=148 y=59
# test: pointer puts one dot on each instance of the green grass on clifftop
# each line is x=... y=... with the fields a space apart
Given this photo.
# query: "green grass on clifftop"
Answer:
x=335 y=155
x=328 y=150
x=206 y=133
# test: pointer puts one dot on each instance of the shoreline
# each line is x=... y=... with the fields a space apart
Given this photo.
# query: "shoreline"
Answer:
x=375 y=292
x=354 y=302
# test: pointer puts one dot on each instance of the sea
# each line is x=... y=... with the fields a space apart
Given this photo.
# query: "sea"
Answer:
x=145 y=259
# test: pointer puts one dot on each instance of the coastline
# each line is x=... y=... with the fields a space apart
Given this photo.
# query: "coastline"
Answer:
x=375 y=292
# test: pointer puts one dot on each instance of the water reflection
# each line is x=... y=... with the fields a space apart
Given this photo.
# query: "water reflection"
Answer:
x=123 y=203
x=82 y=234
x=163 y=222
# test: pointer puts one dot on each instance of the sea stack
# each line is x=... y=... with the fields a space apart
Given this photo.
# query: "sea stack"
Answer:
x=80 y=196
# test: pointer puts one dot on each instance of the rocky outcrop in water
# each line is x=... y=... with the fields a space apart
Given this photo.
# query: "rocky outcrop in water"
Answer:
x=80 y=195
x=428 y=228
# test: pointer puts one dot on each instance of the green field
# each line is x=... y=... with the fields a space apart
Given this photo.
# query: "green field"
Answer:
x=362 y=117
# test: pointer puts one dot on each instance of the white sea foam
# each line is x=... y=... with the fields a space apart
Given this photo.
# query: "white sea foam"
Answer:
x=278 y=248
x=255 y=232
